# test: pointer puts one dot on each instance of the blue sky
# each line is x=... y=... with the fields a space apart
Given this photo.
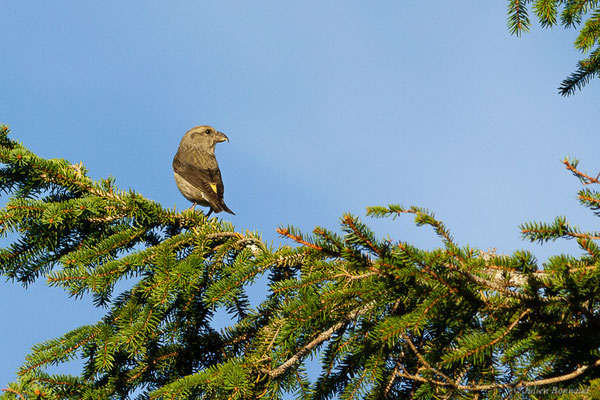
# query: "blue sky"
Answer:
x=330 y=106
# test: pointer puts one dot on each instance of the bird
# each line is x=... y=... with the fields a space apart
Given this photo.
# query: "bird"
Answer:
x=196 y=171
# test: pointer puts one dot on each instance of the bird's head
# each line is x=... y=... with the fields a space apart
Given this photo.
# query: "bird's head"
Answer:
x=203 y=138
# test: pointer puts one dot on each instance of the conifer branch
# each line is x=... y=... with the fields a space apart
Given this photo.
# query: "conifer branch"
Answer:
x=323 y=336
x=13 y=391
x=492 y=342
x=518 y=20
x=442 y=318
x=448 y=381
x=485 y=387
x=297 y=238
x=571 y=165
x=351 y=223
x=574 y=13
x=500 y=284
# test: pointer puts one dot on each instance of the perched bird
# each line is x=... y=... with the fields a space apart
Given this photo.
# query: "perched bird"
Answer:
x=196 y=170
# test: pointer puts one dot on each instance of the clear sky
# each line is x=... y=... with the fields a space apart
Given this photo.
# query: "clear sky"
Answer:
x=330 y=106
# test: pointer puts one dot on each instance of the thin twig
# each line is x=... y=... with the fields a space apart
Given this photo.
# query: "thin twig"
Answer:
x=580 y=174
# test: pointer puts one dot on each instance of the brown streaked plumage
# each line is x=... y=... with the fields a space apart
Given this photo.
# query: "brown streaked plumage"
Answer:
x=196 y=170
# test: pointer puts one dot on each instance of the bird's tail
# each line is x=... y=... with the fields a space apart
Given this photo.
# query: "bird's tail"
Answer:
x=223 y=207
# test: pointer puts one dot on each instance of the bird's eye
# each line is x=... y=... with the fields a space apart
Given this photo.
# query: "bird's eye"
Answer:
x=207 y=131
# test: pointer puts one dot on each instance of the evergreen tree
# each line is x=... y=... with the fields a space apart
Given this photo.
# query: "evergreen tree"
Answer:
x=571 y=14
x=386 y=319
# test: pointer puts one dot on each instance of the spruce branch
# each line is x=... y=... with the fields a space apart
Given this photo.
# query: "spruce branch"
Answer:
x=587 y=69
x=584 y=178
x=393 y=320
x=13 y=391
x=288 y=232
x=487 y=343
x=518 y=20
x=573 y=14
x=590 y=33
x=547 y=12
x=499 y=283
x=323 y=336
x=446 y=379
x=486 y=387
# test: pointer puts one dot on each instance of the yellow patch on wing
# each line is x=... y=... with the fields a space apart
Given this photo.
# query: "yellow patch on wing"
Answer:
x=214 y=187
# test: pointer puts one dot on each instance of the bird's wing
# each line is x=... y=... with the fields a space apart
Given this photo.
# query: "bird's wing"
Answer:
x=220 y=190
x=208 y=180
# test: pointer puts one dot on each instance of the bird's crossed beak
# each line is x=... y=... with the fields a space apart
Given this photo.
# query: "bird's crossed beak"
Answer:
x=221 y=137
